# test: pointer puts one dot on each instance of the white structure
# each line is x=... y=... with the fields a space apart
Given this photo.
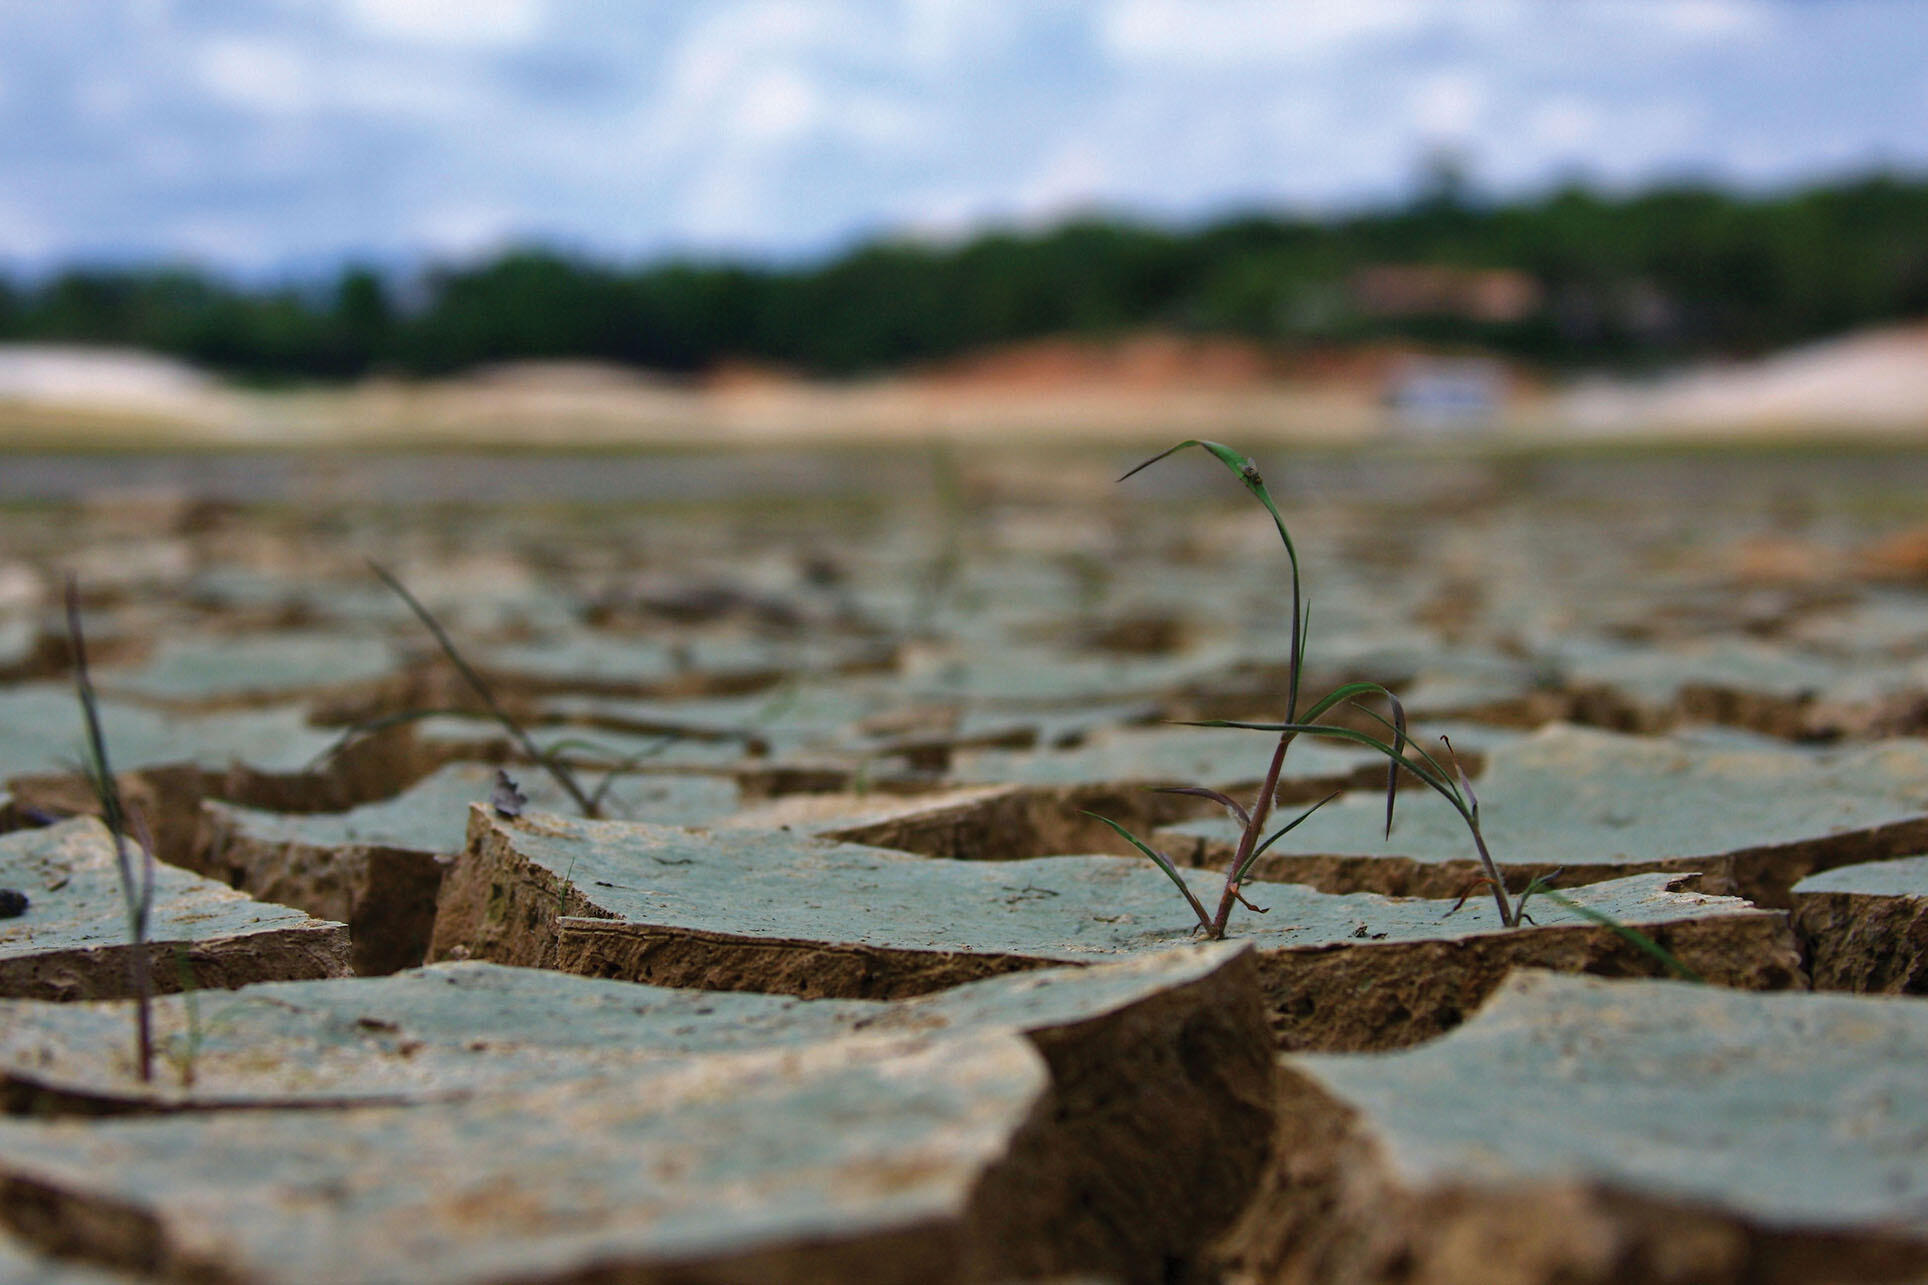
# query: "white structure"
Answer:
x=110 y=379
x=1434 y=396
x=1877 y=379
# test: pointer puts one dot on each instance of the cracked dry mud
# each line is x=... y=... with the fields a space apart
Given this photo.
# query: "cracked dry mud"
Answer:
x=1865 y=927
x=472 y=1122
x=72 y=941
x=743 y=909
x=846 y=985
x=1584 y=1130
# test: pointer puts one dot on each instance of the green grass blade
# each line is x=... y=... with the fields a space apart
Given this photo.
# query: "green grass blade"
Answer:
x=1465 y=785
x=1632 y=936
x=1351 y=692
x=1224 y=800
x=1164 y=863
x=623 y=765
x=1248 y=475
x=369 y=726
x=1412 y=746
x=1439 y=784
x=552 y=754
x=1398 y=757
x=1282 y=831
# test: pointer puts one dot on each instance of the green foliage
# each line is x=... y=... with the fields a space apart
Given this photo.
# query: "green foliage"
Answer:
x=1401 y=755
x=1666 y=274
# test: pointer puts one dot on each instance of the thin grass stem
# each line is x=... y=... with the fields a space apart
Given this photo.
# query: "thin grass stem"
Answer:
x=137 y=893
x=480 y=688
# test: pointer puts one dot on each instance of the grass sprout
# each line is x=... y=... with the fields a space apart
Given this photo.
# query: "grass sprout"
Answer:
x=550 y=762
x=1402 y=755
x=369 y=727
x=184 y=1050
x=136 y=877
x=1626 y=932
x=940 y=575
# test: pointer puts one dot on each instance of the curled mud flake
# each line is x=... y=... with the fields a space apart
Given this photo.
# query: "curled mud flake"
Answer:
x=13 y=903
x=505 y=797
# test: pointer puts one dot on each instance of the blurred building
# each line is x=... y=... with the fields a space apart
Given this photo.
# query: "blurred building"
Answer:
x=1446 y=396
x=1494 y=296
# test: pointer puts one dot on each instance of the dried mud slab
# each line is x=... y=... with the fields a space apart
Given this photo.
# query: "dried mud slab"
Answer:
x=466 y=1027
x=1781 y=691
x=614 y=664
x=988 y=676
x=1752 y=819
x=454 y=738
x=1739 y=682
x=933 y=739
x=1876 y=626
x=800 y=716
x=471 y=594
x=72 y=942
x=1100 y=1121
x=1037 y=803
x=773 y=746
x=169 y=762
x=1142 y=757
x=1010 y=805
x=378 y=868
x=975 y=822
x=1577 y=1130
x=21 y=1264
x=21 y=650
x=782 y=913
x=219 y=672
x=41 y=734
x=1865 y=927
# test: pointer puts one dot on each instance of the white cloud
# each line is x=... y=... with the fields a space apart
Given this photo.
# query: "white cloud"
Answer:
x=1711 y=20
x=937 y=35
x=1449 y=105
x=1564 y=123
x=886 y=122
x=1216 y=33
x=391 y=88
x=23 y=234
x=171 y=158
x=726 y=204
x=221 y=239
x=769 y=76
x=778 y=106
x=788 y=125
x=484 y=23
x=1074 y=177
x=106 y=97
x=465 y=230
x=257 y=74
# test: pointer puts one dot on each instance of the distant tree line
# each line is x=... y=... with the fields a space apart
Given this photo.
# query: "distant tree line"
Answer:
x=1587 y=277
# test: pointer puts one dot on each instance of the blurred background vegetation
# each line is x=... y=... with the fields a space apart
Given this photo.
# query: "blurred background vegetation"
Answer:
x=1572 y=278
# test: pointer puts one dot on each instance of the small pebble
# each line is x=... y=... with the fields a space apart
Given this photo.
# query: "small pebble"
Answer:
x=13 y=903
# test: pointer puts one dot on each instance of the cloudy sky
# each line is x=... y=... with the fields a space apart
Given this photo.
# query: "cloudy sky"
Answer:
x=266 y=136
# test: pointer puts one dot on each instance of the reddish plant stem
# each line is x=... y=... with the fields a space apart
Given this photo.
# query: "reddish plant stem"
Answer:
x=1261 y=812
x=1508 y=919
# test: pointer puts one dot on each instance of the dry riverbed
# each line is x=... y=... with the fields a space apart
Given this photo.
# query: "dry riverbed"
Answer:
x=845 y=980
